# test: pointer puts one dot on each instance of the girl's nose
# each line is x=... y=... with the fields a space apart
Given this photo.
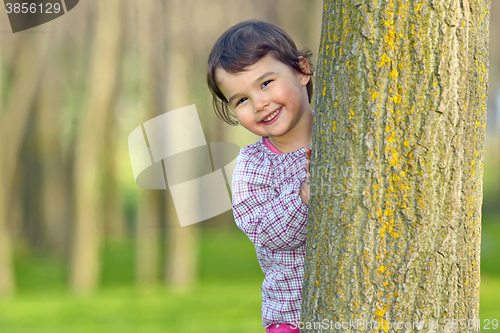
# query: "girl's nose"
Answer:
x=260 y=104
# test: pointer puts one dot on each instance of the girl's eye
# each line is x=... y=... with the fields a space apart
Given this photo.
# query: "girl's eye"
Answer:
x=266 y=83
x=240 y=101
x=244 y=98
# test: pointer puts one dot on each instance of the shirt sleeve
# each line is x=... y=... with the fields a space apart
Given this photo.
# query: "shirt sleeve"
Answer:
x=272 y=220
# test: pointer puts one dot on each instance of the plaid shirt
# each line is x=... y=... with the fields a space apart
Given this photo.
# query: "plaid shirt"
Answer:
x=268 y=209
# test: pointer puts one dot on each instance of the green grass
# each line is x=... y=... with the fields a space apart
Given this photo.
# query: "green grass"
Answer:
x=223 y=307
x=205 y=308
x=227 y=298
x=489 y=307
x=490 y=245
x=36 y=272
x=226 y=254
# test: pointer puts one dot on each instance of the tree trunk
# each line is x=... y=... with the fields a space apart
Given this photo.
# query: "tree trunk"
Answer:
x=27 y=71
x=152 y=70
x=181 y=243
x=88 y=220
x=396 y=178
x=148 y=238
x=53 y=199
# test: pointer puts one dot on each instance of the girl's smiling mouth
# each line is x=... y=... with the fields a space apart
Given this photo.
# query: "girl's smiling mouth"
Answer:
x=273 y=117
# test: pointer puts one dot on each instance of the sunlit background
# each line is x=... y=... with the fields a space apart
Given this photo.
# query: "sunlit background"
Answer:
x=90 y=251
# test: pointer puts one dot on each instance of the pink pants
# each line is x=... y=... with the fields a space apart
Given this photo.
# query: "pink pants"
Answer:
x=282 y=328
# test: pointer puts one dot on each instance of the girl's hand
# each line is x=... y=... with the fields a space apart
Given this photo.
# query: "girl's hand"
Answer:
x=304 y=189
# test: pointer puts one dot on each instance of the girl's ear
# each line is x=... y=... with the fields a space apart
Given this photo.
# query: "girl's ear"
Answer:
x=304 y=65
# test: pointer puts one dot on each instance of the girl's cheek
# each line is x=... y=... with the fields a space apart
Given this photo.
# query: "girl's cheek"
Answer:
x=282 y=94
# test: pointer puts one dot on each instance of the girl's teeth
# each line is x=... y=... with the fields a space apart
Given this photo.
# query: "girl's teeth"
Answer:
x=271 y=116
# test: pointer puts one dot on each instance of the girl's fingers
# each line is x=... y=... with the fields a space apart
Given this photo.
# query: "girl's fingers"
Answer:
x=308 y=162
x=308 y=155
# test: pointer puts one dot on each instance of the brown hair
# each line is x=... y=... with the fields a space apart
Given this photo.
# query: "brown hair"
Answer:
x=242 y=46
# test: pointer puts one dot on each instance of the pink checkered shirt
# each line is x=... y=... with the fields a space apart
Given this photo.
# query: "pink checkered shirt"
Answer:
x=268 y=209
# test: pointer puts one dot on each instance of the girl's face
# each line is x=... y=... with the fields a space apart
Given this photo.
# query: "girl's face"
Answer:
x=268 y=88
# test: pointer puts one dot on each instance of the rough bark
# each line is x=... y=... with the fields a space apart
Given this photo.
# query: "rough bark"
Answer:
x=396 y=177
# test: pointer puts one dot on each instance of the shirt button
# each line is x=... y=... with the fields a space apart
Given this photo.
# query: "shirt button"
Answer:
x=277 y=325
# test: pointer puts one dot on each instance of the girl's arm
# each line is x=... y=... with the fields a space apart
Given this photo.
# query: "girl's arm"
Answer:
x=272 y=220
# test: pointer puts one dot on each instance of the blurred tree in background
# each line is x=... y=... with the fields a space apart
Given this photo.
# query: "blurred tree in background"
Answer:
x=72 y=90
x=89 y=150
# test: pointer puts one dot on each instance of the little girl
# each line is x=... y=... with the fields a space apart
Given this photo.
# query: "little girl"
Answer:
x=256 y=75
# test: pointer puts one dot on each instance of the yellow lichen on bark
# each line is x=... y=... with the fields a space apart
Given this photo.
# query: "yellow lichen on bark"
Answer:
x=401 y=90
